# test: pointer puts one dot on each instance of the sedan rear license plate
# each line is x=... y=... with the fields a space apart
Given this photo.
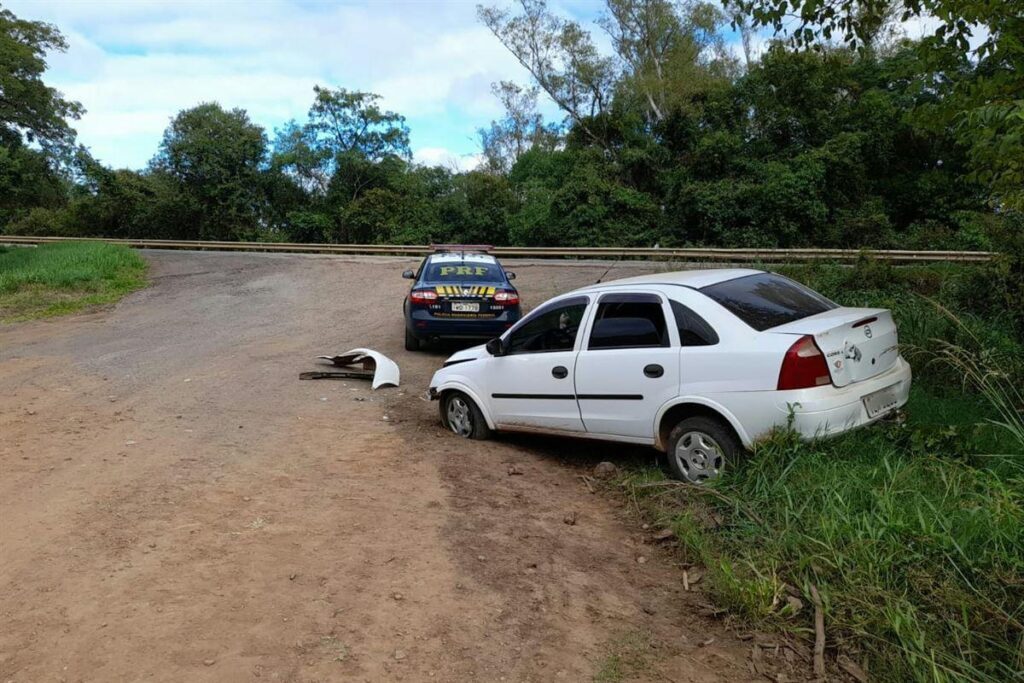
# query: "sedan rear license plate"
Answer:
x=463 y=307
x=881 y=401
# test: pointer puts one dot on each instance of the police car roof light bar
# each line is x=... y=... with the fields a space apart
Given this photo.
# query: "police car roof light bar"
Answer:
x=461 y=248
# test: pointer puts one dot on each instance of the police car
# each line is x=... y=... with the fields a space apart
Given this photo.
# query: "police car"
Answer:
x=459 y=292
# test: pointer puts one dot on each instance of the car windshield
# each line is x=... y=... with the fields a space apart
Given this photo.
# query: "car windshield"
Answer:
x=767 y=300
x=463 y=271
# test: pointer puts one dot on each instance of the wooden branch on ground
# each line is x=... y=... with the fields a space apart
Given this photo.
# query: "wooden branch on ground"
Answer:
x=819 y=633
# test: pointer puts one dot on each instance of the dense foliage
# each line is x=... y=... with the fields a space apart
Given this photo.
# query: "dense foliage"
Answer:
x=667 y=139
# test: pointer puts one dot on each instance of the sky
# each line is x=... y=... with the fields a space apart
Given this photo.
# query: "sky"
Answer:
x=134 y=64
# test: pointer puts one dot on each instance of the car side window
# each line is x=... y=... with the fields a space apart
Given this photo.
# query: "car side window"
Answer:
x=549 y=330
x=629 y=321
x=693 y=329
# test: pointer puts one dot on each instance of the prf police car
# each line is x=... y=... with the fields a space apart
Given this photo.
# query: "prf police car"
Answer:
x=459 y=292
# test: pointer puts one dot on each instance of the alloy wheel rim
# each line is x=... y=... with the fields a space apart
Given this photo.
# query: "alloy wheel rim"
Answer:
x=459 y=418
x=699 y=457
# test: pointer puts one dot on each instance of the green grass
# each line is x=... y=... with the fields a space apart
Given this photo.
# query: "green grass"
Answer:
x=913 y=532
x=55 y=279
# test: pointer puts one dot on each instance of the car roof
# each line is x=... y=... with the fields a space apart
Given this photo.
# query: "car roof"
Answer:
x=461 y=258
x=694 y=279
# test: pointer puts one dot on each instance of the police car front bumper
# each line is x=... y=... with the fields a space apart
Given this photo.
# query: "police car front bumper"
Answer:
x=425 y=325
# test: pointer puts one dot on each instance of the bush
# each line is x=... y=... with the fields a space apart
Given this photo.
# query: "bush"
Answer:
x=40 y=222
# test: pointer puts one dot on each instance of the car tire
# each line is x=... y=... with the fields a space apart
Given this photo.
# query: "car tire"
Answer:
x=411 y=342
x=461 y=415
x=701 y=448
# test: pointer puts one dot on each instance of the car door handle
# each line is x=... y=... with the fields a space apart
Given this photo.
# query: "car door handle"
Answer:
x=559 y=372
x=654 y=370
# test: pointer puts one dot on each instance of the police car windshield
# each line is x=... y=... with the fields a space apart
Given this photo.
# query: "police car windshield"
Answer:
x=463 y=271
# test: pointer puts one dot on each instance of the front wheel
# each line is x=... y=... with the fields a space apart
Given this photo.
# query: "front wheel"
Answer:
x=700 y=448
x=461 y=415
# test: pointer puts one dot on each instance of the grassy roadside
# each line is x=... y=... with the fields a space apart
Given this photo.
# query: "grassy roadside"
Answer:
x=912 y=532
x=55 y=279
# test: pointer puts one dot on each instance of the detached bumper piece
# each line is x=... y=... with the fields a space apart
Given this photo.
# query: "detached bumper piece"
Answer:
x=359 y=364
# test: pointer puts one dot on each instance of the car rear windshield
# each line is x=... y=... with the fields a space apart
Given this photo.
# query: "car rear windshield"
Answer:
x=463 y=271
x=767 y=300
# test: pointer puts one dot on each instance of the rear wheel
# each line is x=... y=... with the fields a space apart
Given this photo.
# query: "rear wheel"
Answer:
x=411 y=342
x=461 y=415
x=700 y=448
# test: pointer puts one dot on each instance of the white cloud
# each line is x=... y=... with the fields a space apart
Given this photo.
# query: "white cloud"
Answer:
x=134 y=65
x=441 y=156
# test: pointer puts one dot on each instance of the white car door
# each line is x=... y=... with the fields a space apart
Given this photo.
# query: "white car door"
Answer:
x=531 y=385
x=628 y=366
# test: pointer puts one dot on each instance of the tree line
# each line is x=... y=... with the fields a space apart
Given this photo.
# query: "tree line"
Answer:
x=842 y=132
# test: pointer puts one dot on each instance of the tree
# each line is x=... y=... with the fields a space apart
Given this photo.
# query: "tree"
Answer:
x=342 y=121
x=28 y=179
x=31 y=111
x=36 y=140
x=668 y=50
x=477 y=209
x=342 y=127
x=561 y=57
x=984 y=103
x=215 y=155
x=522 y=128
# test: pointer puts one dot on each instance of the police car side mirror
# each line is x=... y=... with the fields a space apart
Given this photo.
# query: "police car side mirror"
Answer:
x=510 y=275
x=409 y=275
x=496 y=347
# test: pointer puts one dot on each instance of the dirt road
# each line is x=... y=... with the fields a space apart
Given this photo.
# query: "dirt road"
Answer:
x=176 y=505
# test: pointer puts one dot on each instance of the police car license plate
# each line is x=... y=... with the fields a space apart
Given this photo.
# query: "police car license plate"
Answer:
x=881 y=401
x=464 y=307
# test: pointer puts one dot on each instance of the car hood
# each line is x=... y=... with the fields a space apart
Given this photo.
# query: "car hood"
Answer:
x=472 y=353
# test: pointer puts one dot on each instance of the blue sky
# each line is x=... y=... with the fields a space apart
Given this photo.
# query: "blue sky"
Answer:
x=134 y=65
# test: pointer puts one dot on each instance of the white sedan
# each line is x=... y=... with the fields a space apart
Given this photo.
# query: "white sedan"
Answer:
x=699 y=364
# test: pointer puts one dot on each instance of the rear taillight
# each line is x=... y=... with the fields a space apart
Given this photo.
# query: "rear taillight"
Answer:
x=506 y=297
x=804 y=366
x=423 y=296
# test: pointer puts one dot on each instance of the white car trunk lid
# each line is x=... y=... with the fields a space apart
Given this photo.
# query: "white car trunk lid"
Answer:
x=858 y=343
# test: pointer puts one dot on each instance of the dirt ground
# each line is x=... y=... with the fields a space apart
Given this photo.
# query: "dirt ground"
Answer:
x=176 y=505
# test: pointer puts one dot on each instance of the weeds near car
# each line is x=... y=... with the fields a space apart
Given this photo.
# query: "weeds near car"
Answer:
x=54 y=279
x=984 y=372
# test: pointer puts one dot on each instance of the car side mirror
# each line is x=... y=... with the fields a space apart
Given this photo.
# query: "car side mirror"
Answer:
x=510 y=275
x=409 y=275
x=496 y=347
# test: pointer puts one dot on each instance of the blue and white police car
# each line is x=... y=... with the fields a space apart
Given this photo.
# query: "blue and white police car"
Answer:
x=459 y=292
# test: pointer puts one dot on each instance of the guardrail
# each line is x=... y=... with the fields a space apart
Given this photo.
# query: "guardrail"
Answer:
x=610 y=253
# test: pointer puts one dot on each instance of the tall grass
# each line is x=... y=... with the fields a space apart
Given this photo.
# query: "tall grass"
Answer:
x=919 y=556
x=983 y=372
x=60 y=278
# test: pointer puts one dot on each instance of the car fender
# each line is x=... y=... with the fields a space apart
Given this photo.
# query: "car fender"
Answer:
x=456 y=383
x=708 y=403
